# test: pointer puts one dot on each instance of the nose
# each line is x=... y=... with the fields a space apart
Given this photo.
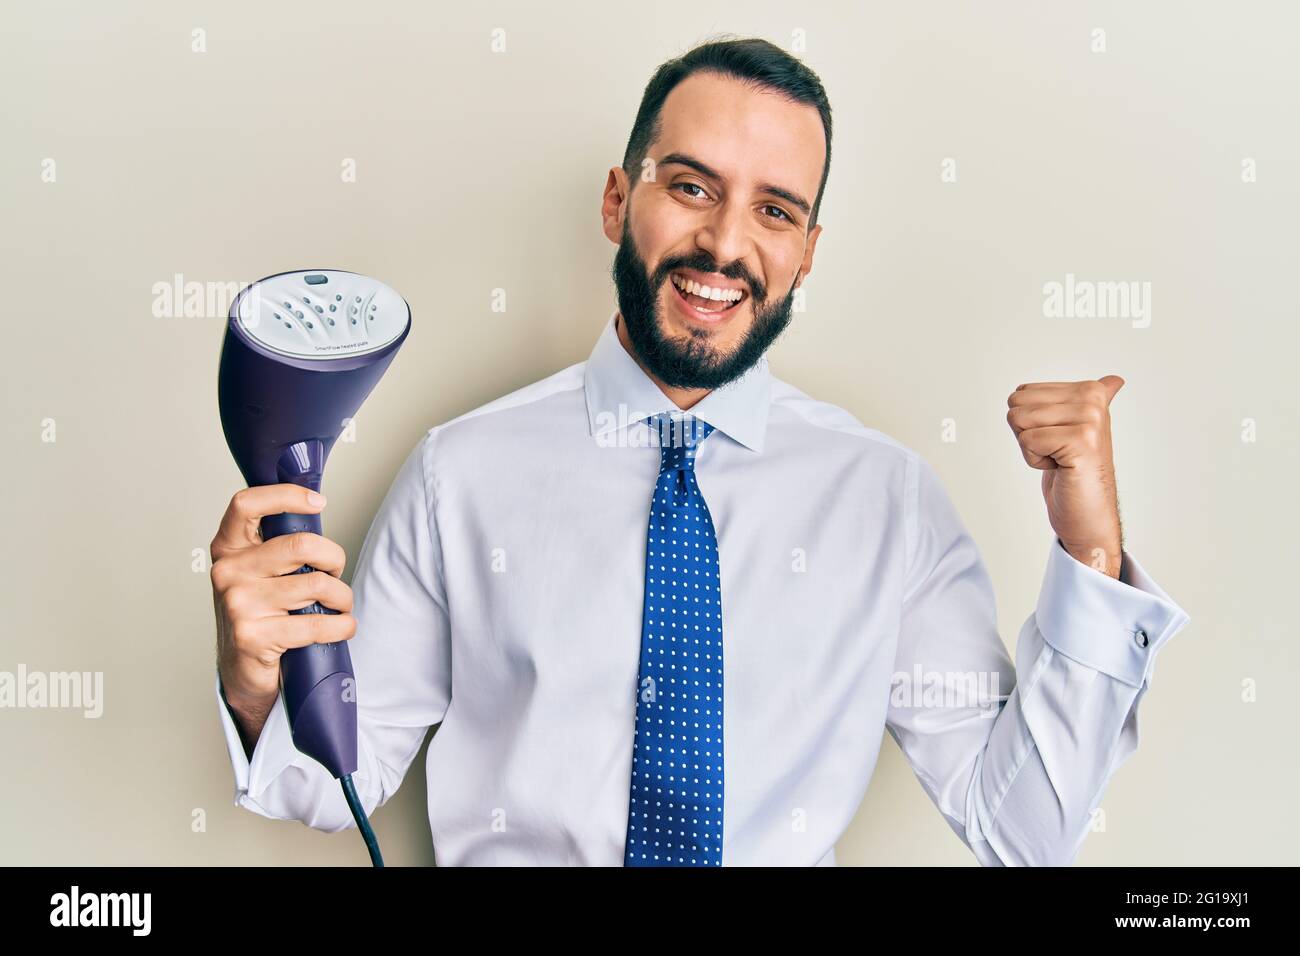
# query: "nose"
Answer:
x=723 y=235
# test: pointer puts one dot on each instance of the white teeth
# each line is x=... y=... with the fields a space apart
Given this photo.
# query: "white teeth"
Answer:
x=718 y=295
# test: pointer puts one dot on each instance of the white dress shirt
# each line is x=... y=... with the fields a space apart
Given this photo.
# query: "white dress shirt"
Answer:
x=499 y=594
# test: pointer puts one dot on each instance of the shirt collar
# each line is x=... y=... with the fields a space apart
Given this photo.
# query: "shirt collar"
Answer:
x=619 y=393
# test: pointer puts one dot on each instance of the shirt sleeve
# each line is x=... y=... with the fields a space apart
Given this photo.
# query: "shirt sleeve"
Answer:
x=1016 y=758
x=401 y=659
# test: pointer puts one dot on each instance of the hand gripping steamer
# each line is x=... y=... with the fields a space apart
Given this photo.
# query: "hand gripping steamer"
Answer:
x=301 y=353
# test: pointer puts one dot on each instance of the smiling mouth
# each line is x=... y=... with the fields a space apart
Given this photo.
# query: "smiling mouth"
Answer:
x=709 y=304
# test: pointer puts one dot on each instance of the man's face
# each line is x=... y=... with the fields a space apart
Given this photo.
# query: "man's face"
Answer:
x=722 y=204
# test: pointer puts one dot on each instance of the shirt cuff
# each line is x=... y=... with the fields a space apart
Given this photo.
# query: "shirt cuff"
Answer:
x=273 y=752
x=1113 y=626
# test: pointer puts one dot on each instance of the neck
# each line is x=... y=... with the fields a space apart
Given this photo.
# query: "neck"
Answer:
x=683 y=398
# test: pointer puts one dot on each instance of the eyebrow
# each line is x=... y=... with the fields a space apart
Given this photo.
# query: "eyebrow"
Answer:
x=683 y=159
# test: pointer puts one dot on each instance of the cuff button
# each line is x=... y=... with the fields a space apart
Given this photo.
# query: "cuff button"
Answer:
x=1141 y=638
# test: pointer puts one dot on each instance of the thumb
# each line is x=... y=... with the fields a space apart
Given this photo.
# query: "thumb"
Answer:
x=1113 y=384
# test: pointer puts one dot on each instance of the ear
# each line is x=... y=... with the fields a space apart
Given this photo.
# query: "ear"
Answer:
x=613 y=204
x=810 y=248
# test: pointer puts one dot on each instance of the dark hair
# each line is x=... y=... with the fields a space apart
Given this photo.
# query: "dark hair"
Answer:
x=759 y=63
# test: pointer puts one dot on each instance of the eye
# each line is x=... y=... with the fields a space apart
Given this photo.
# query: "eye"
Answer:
x=783 y=214
x=689 y=185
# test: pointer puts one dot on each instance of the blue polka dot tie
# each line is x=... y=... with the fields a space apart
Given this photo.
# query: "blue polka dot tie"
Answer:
x=675 y=811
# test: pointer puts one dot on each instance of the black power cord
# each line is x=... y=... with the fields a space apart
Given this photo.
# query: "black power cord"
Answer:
x=363 y=824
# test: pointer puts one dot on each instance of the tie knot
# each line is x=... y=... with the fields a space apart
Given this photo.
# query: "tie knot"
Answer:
x=678 y=440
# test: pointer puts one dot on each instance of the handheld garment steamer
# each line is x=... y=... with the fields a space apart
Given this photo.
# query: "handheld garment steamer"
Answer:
x=301 y=353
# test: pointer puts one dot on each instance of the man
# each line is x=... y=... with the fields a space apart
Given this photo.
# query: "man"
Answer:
x=661 y=604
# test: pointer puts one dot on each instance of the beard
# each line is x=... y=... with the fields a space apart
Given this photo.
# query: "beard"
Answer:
x=693 y=363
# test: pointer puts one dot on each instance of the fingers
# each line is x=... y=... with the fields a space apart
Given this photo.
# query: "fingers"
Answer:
x=1055 y=445
x=1058 y=424
x=282 y=555
x=240 y=524
x=307 y=629
x=1112 y=382
x=256 y=598
x=1021 y=417
x=255 y=588
x=1098 y=392
x=267 y=638
x=289 y=552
